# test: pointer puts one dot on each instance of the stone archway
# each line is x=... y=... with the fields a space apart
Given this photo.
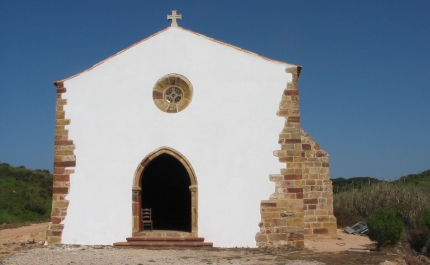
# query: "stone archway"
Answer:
x=137 y=186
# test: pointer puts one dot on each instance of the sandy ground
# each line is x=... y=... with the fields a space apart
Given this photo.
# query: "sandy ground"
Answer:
x=344 y=242
x=24 y=245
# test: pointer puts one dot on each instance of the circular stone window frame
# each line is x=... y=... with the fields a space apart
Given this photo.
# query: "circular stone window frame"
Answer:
x=172 y=81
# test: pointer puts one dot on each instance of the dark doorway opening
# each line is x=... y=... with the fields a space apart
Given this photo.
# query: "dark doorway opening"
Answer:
x=165 y=189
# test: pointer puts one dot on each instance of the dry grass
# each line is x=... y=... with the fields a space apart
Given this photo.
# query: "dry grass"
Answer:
x=409 y=202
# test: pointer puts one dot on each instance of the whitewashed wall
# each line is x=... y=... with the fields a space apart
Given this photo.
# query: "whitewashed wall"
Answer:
x=228 y=133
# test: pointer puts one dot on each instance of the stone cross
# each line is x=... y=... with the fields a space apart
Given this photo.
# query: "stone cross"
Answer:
x=173 y=17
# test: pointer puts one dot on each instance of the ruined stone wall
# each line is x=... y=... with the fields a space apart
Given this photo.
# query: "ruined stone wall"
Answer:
x=302 y=204
x=282 y=216
x=64 y=158
x=317 y=189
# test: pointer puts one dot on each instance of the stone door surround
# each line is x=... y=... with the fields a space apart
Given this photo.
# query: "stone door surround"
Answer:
x=137 y=188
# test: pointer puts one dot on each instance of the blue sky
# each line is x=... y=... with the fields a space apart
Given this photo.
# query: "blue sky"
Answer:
x=364 y=87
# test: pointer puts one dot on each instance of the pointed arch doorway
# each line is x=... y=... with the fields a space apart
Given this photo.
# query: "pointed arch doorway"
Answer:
x=165 y=182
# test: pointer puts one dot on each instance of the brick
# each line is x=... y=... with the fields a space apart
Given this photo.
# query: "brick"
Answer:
x=295 y=236
x=59 y=170
x=310 y=182
x=60 y=115
x=60 y=190
x=61 y=102
x=56 y=227
x=289 y=141
x=285 y=159
x=293 y=119
x=56 y=220
x=62 y=121
x=61 y=177
x=276 y=177
x=292 y=177
x=55 y=212
x=63 y=142
x=310 y=201
x=325 y=164
x=320 y=231
x=64 y=153
x=65 y=164
x=299 y=195
x=54 y=233
x=294 y=152
x=59 y=84
x=323 y=219
x=287 y=184
x=287 y=195
x=270 y=215
x=61 y=90
x=276 y=237
x=261 y=238
x=278 y=222
x=291 y=92
x=300 y=243
x=306 y=147
x=322 y=200
x=269 y=204
x=60 y=204
x=329 y=225
x=295 y=190
x=295 y=222
x=283 y=113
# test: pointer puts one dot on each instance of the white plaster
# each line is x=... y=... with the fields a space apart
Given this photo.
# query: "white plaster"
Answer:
x=228 y=133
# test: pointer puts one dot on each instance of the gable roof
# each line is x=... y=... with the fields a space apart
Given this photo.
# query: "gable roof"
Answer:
x=187 y=30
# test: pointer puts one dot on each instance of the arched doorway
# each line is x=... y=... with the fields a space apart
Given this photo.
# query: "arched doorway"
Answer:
x=165 y=189
x=165 y=182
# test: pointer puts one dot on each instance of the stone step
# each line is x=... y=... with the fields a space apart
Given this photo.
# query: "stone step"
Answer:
x=156 y=242
x=179 y=239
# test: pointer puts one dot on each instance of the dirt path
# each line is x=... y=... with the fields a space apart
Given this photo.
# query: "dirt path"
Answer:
x=344 y=242
x=24 y=230
x=19 y=245
x=18 y=239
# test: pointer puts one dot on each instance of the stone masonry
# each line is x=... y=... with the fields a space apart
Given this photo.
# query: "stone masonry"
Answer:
x=64 y=159
x=302 y=204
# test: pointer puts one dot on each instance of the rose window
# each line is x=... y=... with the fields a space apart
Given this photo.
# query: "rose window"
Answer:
x=173 y=95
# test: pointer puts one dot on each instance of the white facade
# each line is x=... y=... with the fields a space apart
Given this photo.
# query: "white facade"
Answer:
x=228 y=134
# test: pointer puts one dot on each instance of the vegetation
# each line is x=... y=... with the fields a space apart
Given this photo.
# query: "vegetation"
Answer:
x=426 y=218
x=342 y=184
x=25 y=195
x=385 y=227
x=358 y=199
x=408 y=201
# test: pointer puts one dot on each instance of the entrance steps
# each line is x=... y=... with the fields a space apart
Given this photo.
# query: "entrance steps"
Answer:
x=159 y=239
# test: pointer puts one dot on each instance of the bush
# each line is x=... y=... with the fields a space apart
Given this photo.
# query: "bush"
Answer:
x=385 y=227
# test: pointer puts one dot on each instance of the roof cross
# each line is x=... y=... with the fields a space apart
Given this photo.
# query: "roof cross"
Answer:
x=173 y=17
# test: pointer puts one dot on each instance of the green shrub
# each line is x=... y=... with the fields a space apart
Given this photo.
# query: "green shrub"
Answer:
x=385 y=227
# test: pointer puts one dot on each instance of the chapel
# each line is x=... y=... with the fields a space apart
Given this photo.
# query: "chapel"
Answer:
x=202 y=133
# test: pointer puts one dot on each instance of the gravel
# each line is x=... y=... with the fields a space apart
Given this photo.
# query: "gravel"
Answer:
x=76 y=254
